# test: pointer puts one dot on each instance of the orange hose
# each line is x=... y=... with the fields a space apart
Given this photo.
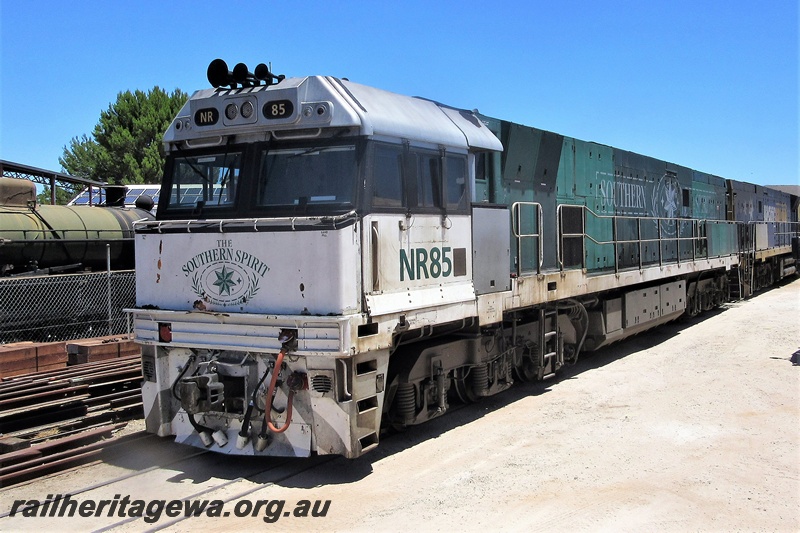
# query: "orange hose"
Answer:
x=270 y=392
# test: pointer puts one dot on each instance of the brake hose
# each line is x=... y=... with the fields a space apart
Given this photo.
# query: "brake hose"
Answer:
x=270 y=392
x=249 y=412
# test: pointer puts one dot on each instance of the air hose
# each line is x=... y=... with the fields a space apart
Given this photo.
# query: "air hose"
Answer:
x=270 y=392
x=244 y=432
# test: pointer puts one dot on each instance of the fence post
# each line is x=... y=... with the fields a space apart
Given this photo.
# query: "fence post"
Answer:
x=108 y=280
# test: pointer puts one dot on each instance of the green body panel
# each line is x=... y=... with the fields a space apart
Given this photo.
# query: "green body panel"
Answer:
x=722 y=239
x=706 y=202
x=566 y=179
x=599 y=257
x=594 y=163
x=656 y=203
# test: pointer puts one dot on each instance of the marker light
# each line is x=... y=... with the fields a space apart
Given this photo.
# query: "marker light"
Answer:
x=231 y=111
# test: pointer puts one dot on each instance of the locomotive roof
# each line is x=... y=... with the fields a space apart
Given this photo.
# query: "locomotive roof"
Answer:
x=324 y=102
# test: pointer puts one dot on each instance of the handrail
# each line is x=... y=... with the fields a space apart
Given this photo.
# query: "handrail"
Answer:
x=699 y=234
x=516 y=217
x=250 y=223
x=788 y=230
x=697 y=231
x=562 y=235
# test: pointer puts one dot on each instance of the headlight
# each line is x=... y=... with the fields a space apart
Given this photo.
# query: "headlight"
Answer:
x=231 y=111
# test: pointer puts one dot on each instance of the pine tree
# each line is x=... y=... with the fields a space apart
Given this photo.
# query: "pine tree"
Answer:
x=125 y=146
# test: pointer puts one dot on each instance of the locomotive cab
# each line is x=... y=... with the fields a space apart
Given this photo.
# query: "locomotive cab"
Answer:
x=317 y=210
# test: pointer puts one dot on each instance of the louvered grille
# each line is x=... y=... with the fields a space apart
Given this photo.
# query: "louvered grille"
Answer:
x=322 y=384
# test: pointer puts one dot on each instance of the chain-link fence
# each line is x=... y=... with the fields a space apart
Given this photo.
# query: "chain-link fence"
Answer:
x=65 y=307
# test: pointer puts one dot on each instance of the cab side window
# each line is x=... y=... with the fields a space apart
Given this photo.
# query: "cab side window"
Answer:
x=455 y=186
x=417 y=179
x=429 y=182
x=388 y=176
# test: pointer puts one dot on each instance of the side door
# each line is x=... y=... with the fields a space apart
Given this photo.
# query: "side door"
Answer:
x=417 y=237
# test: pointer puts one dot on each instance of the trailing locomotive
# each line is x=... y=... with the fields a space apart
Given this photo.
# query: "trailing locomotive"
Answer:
x=329 y=259
x=37 y=238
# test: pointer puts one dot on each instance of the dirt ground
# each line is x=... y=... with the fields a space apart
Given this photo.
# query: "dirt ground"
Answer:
x=694 y=426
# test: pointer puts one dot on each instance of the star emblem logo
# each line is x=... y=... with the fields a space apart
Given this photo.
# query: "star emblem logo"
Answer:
x=670 y=202
x=224 y=281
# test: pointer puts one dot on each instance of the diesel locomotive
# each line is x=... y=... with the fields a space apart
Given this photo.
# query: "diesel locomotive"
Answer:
x=329 y=260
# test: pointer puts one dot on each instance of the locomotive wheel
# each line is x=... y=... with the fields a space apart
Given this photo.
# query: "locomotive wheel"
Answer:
x=464 y=391
x=526 y=371
x=692 y=307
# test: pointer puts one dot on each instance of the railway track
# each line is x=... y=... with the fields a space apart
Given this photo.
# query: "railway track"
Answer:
x=54 y=420
x=154 y=469
x=149 y=468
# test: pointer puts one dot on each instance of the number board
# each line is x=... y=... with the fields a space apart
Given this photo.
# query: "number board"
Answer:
x=206 y=117
x=277 y=109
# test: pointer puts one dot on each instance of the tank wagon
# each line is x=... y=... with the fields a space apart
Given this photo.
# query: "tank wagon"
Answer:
x=53 y=237
x=358 y=259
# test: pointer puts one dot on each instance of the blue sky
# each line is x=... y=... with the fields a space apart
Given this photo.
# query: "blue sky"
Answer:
x=712 y=85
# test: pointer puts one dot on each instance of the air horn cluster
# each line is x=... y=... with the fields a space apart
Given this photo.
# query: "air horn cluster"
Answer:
x=220 y=76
